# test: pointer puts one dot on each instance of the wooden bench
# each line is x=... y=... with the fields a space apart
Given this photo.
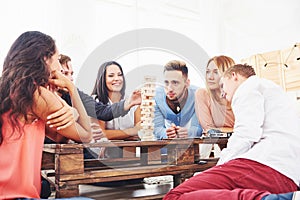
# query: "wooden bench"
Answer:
x=65 y=163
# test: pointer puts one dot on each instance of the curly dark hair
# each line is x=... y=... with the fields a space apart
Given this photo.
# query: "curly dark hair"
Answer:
x=24 y=70
x=100 y=89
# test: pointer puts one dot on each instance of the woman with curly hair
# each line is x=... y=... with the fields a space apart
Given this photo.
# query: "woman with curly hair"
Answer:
x=29 y=109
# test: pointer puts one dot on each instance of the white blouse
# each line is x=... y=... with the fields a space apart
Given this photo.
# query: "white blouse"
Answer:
x=121 y=123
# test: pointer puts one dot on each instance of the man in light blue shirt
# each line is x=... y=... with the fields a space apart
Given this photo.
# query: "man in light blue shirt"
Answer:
x=174 y=110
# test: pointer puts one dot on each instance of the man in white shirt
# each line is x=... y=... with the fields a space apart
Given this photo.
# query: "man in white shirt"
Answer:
x=262 y=155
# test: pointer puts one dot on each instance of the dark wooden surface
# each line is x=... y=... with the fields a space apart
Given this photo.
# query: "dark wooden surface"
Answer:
x=66 y=163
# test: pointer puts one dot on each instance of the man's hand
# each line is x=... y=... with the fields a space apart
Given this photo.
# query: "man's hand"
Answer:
x=177 y=132
x=171 y=131
x=181 y=132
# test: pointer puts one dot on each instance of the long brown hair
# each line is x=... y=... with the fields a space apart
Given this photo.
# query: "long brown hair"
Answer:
x=24 y=70
x=100 y=88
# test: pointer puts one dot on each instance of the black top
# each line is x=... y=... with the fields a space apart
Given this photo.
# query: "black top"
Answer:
x=98 y=110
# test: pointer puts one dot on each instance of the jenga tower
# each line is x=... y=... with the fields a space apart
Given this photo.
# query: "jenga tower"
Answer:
x=147 y=109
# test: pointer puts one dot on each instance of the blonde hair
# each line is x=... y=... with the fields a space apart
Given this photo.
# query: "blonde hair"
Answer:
x=223 y=63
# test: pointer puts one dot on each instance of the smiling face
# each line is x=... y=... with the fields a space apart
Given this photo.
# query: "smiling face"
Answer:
x=114 y=78
x=212 y=76
x=175 y=84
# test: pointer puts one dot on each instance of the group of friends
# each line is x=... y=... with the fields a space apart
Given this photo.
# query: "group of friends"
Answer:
x=39 y=100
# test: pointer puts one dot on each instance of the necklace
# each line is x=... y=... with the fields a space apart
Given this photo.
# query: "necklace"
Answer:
x=178 y=108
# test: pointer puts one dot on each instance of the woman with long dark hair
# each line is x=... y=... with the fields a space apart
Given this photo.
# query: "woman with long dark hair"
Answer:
x=31 y=75
x=110 y=88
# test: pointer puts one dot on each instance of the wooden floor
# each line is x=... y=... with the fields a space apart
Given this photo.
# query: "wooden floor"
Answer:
x=131 y=191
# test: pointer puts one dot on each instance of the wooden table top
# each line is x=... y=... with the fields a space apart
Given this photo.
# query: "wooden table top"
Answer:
x=122 y=143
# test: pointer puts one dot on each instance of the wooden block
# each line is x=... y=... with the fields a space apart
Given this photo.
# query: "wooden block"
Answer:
x=48 y=161
x=69 y=164
x=67 y=191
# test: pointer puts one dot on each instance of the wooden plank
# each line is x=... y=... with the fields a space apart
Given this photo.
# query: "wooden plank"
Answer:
x=69 y=149
x=144 y=155
x=150 y=155
x=208 y=140
x=91 y=163
x=154 y=155
x=50 y=148
x=69 y=164
x=66 y=191
x=129 y=152
x=127 y=164
x=48 y=160
x=172 y=155
x=129 y=173
x=61 y=148
x=185 y=155
x=141 y=143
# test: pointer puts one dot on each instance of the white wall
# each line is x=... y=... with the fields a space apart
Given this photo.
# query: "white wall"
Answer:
x=231 y=27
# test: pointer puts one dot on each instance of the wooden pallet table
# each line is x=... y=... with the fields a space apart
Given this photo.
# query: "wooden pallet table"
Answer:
x=66 y=163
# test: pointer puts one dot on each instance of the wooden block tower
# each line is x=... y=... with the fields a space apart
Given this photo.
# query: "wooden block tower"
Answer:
x=147 y=109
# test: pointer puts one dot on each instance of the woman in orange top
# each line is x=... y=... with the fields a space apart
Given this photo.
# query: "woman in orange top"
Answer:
x=213 y=111
x=29 y=79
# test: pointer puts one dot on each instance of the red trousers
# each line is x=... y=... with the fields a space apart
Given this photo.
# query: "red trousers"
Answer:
x=239 y=179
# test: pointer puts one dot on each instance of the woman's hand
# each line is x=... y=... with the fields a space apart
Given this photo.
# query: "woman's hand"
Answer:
x=134 y=99
x=97 y=131
x=60 y=81
x=62 y=118
x=138 y=126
